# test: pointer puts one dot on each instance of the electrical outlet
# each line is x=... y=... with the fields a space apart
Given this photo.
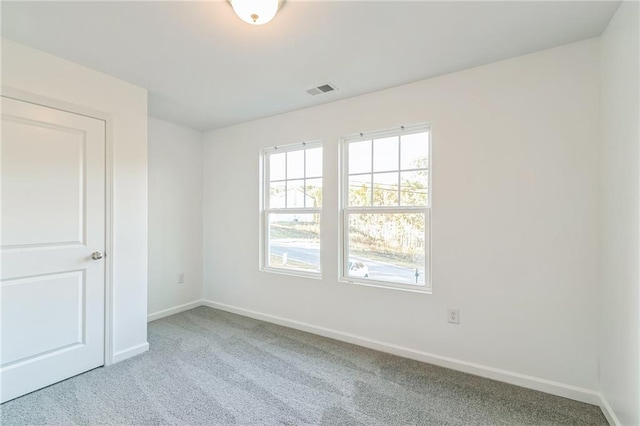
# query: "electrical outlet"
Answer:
x=181 y=278
x=453 y=316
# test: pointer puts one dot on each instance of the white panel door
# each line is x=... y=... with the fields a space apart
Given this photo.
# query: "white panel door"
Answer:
x=52 y=220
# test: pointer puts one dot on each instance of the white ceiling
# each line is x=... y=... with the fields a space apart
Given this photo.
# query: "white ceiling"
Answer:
x=205 y=68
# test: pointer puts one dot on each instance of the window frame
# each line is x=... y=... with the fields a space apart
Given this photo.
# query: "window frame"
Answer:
x=266 y=209
x=345 y=210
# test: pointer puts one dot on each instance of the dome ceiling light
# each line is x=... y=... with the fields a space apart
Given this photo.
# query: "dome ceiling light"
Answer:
x=256 y=12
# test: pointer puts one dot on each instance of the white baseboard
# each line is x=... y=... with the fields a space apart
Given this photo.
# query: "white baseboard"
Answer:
x=523 y=380
x=175 y=310
x=608 y=412
x=130 y=352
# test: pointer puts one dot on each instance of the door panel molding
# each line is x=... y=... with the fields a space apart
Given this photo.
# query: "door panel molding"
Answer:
x=44 y=141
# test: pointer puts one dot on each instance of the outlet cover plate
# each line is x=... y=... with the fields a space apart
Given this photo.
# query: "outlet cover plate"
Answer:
x=453 y=316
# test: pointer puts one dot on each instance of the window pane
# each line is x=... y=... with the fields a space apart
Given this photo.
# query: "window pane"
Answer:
x=360 y=190
x=360 y=157
x=385 y=189
x=414 y=191
x=314 y=193
x=277 y=166
x=414 y=151
x=295 y=193
x=295 y=164
x=385 y=154
x=277 y=195
x=294 y=241
x=314 y=162
x=387 y=247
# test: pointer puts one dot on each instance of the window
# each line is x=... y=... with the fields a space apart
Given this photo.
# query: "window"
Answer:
x=386 y=209
x=292 y=206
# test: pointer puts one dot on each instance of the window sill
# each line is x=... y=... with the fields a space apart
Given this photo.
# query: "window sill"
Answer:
x=423 y=289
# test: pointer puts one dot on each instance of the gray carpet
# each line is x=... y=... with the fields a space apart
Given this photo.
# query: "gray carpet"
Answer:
x=208 y=367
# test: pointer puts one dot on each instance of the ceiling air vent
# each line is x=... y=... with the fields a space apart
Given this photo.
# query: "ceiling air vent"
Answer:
x=321 y=89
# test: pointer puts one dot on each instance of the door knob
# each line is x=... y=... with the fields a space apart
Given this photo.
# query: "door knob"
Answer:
x=96 y=255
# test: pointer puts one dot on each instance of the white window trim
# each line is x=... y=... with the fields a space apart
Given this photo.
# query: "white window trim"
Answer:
x=265 y=210
x=345 y=210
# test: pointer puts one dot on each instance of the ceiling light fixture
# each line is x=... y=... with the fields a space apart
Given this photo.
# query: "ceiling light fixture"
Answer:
x=256 y=12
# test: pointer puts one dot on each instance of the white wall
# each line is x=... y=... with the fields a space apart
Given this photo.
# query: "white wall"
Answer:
x=175 y=216
x=515 y=220
x=620 y=154
x=42 y=74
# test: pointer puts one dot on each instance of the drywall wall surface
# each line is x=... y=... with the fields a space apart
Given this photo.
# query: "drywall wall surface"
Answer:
x=620 y=153
x=175 y=215
x=33 y=71
x=514 y=220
